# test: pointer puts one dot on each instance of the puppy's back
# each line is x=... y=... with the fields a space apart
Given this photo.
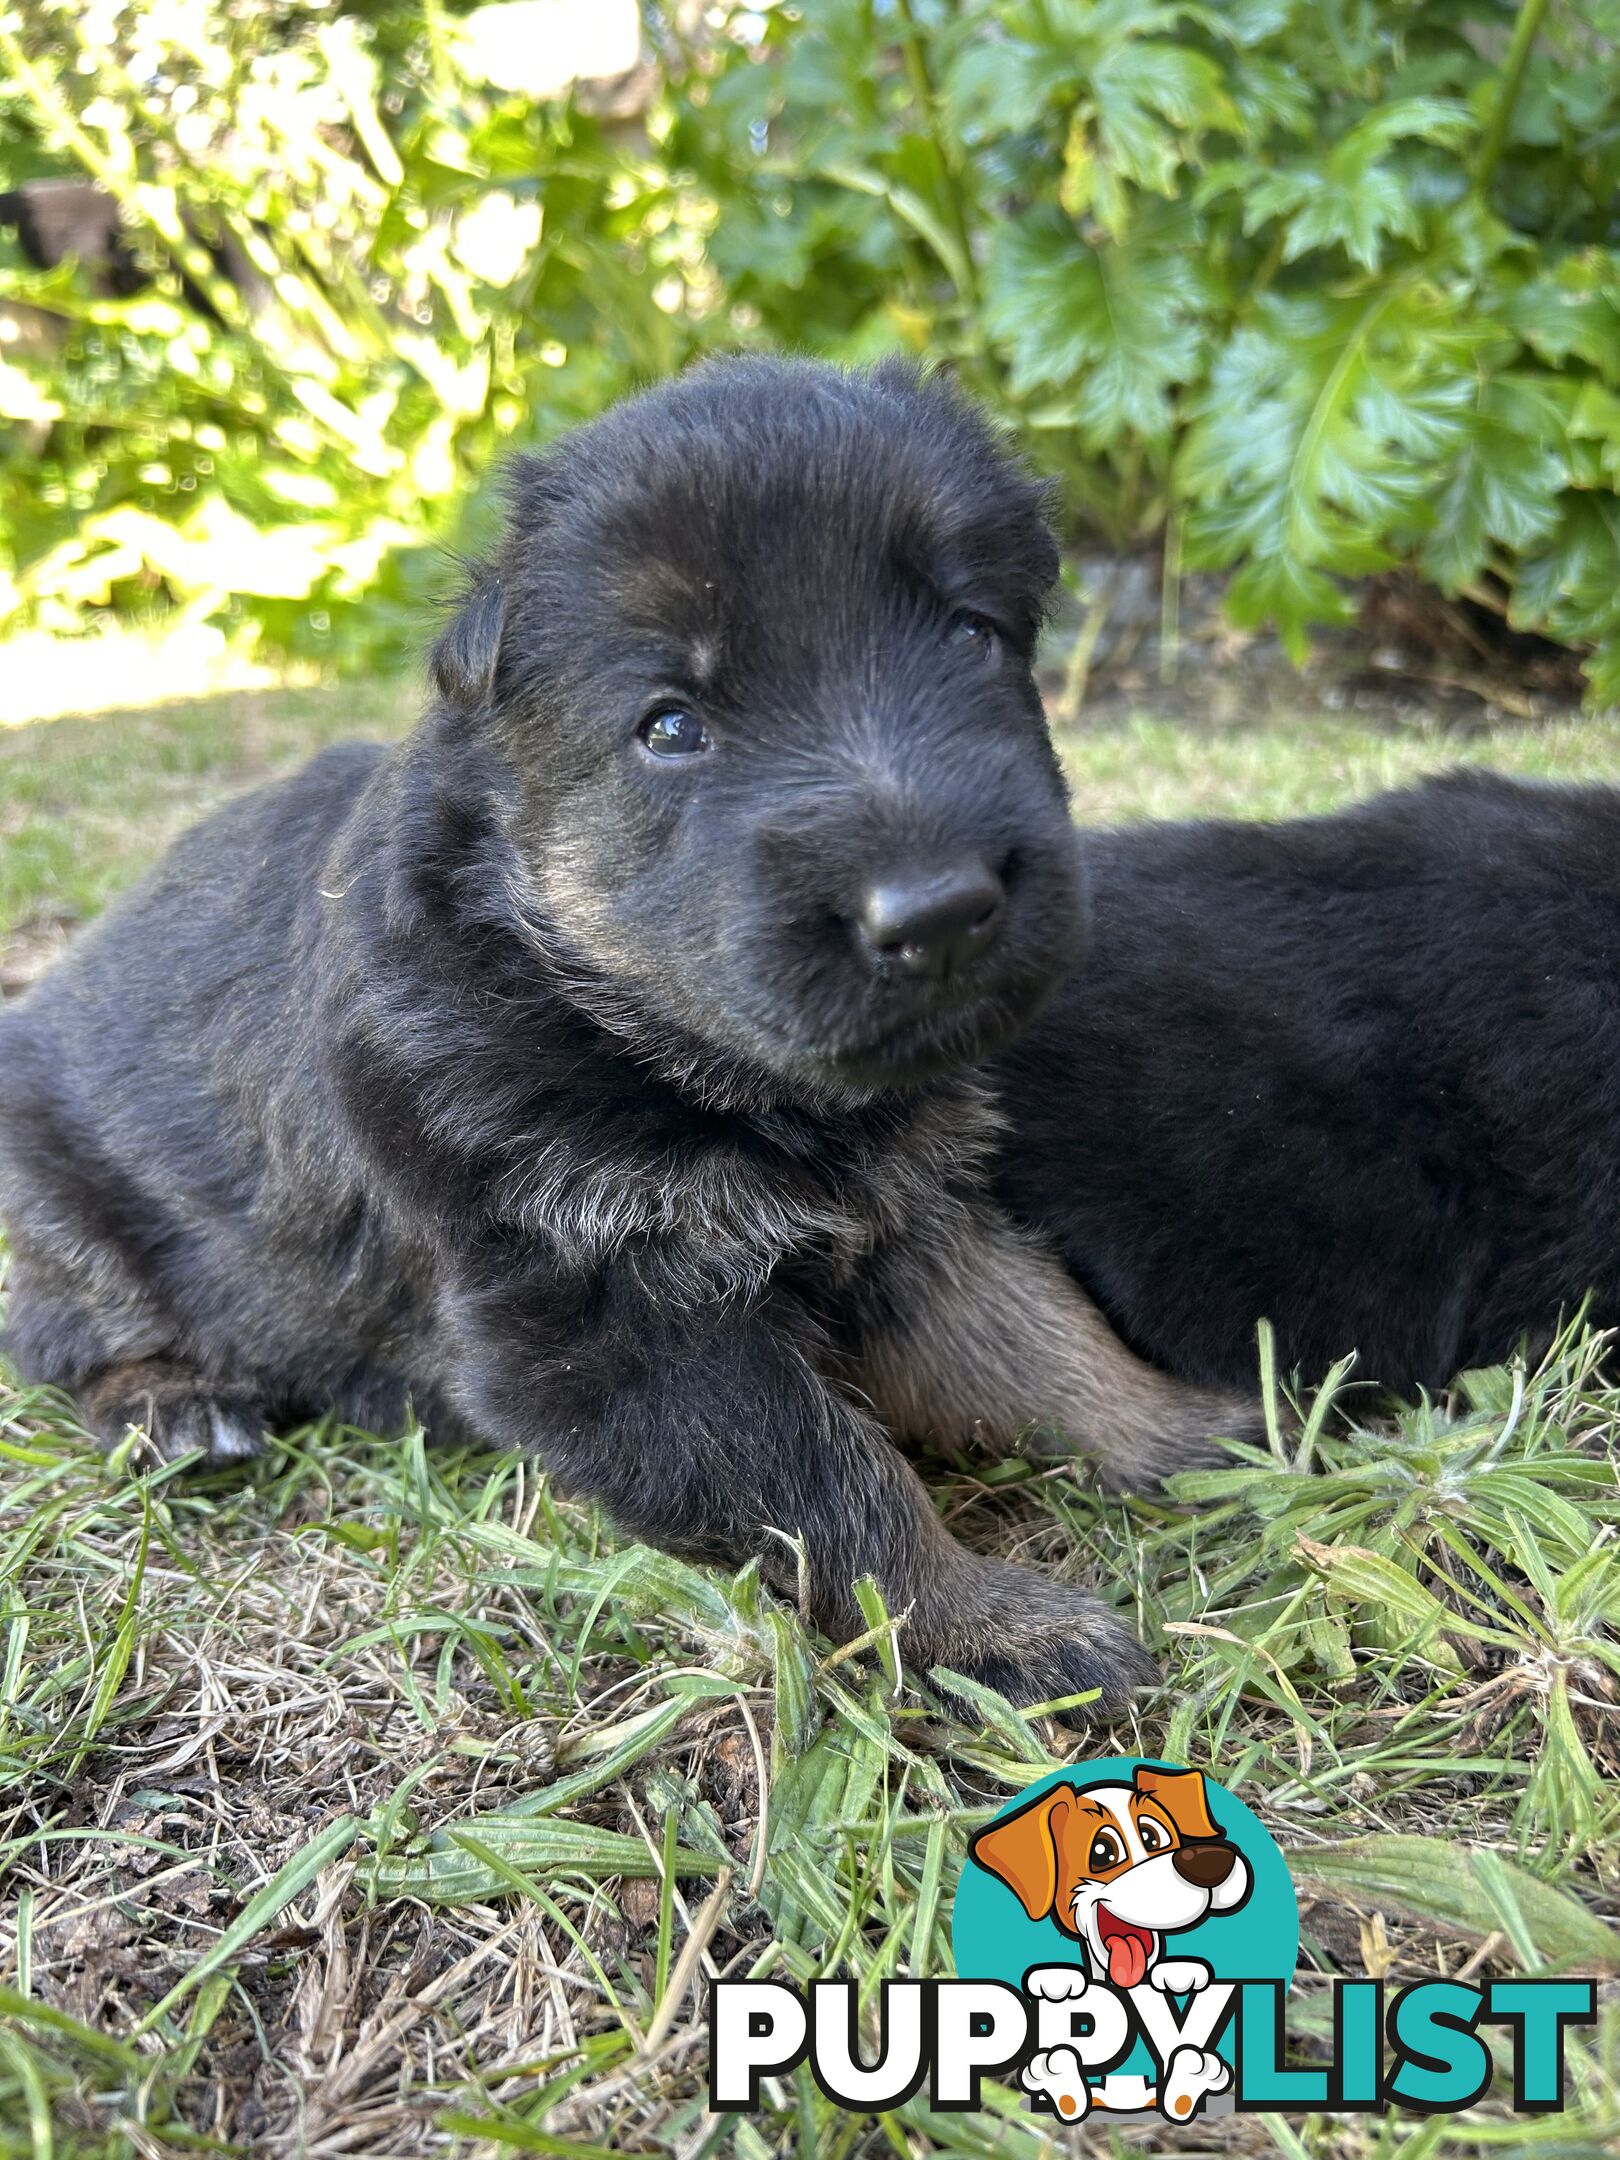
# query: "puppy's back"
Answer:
x=115 y=1068
x=216 y=909
x=1357 y=1074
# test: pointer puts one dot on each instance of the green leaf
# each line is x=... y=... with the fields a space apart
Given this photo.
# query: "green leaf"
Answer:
x=1570 y=586
x=1433 y=1879
x=521 y=2136
x=1000 y=86
x=1502 y=486
x=1114 y=325
x=1595 y=417
x=1570 y=311
x=446 y=1872
x=797 y=1715
x=1149 y=98
x=1416 y=1616
x=1314 y=444
x=1355 y=195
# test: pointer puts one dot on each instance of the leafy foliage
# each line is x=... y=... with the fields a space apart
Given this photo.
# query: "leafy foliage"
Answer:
x=447 y=265
x=1330 y=286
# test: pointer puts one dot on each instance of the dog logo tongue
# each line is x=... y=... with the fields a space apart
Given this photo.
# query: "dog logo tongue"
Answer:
x=1127 y=1949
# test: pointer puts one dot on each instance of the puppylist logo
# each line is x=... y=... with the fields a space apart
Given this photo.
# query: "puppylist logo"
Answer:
x=1125 y=1934
x=1131 y=1899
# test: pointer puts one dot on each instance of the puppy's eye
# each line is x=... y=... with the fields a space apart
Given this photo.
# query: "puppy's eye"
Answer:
x=976 y=632
x=1154 y=1836
x=1106 y=1852
x=672 y=733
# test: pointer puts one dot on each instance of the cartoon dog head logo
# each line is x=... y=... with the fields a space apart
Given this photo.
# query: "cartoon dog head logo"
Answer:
x=1118 y=1866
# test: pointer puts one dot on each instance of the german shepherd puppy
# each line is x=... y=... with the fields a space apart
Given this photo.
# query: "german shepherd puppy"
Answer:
x=595 y=1069
x=1354 y=1073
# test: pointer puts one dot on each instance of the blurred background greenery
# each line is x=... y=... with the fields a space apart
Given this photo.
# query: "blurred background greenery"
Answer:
x=1300 y=289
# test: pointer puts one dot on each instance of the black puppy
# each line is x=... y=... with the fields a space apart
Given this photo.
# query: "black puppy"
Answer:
x=594 y=1067
x=1360 y=1074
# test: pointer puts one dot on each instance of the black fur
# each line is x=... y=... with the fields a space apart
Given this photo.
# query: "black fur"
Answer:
x=546 y=1084
x=1359 y=1074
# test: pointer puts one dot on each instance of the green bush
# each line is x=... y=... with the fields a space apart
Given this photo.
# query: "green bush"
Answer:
x=1311 y=286
x=450 y=266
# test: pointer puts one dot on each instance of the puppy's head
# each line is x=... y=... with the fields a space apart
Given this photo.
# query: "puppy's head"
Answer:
x=1117 y=1866
x=757 y=654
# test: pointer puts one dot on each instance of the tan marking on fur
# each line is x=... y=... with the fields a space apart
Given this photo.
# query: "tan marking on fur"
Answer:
x=719 y=1231
x=994 y=1341
x=139 y=1392
x=705 y=658
x=570 y=896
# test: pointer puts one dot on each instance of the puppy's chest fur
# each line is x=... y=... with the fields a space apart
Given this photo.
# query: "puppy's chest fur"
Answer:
x=770 y=1196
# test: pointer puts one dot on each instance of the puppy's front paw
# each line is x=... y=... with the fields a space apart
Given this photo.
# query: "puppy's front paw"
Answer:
x=1035 y=1641
x=1056 y=2075
x=176 y=1411
x=1191 y=2077
x=1179 y=1976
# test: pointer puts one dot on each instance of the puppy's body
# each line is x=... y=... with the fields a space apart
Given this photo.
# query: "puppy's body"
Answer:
x=594 y=1068
x=1356 y=1074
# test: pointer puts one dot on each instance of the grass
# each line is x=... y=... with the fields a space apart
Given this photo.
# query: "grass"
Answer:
x=85 y=804
x=376 y=1801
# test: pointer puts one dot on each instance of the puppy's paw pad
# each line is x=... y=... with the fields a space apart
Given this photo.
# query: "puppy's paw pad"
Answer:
x=1055 y=2074
x=170 y=1412
x=1042 y=1641
x=232 y=1436
x=1192 y=2075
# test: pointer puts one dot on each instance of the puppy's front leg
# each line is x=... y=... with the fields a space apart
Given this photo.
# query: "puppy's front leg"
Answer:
x=984 y=1334
x=703 y=1427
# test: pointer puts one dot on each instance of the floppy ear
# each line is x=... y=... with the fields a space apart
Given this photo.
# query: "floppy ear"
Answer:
x=1181 y=1794
x=1022 y=1850
x=464 y=655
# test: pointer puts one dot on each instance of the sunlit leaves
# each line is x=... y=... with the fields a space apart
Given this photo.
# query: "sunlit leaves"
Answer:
x=1132 y=98
x=1354 y=355
x=1236 y=265
x=190 y=455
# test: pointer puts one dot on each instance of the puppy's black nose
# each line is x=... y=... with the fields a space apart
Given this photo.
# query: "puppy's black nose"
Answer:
x=1204 y=1865
x=933 y=922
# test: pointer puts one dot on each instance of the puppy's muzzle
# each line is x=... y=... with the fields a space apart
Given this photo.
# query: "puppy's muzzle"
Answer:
x=1205 y=1864
x=933 y=923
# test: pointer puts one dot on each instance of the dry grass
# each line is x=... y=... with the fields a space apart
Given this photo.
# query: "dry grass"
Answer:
x=492 y=1768
x=377 y=1802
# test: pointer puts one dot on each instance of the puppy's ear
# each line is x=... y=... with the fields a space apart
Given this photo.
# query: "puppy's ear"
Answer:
x=1022 y=1850
x=464 y=656
x=1181 y=1794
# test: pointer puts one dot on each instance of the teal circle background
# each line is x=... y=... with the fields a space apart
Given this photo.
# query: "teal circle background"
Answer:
x=993 y=1938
